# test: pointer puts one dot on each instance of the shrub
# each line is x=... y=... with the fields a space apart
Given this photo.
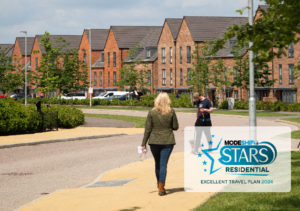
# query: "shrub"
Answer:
x=16 y=118
x=223 y=105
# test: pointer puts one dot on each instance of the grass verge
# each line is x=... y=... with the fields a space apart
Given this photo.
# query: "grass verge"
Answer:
x=260 y=201
x=138 y=121
x=241 y=113
x=115 y=108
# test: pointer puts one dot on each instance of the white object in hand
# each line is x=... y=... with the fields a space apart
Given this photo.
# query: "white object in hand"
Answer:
x=141 y=153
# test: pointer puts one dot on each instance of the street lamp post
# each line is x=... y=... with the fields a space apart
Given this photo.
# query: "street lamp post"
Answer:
x=25 y=32
x=90 y=89
x=252 y=103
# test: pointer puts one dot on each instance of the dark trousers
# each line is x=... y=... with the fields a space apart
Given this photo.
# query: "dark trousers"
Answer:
x=161 y=154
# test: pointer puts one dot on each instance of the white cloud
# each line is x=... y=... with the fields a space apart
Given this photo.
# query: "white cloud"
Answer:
x=71 y=17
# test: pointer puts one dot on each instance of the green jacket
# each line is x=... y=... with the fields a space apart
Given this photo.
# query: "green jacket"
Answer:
x=159 y=128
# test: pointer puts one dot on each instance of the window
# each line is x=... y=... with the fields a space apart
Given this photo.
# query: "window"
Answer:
x=236 y=94
x=108 y=59
x=291 y=73
x=171 y=54
x=148 y=54
x=101 y=79
x=36 y=62
x=180 y=53
x=102 y=56
x=149 y=77
x=115 y=78
x=235 y=74
x=188 y=54
x=163 y=77
x=181 y=77
x=163 y=55
x=114 y=59
x=108 y=79
x=280 y=73
x=171 y=77
x=188 y=73
x=84 y=58
x=228 y=94
x=291 y=50
x=95 y=78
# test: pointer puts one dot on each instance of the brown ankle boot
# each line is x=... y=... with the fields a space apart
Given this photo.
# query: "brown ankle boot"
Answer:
x=161 y=188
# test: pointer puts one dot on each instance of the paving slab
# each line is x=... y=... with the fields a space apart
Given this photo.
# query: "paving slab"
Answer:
x=138 y=194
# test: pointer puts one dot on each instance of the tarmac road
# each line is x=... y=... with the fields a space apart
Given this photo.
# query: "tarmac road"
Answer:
x=30 y=172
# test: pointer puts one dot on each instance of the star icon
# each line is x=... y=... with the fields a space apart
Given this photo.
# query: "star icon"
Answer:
x=199 y=155
x=212 y=136
x=206 y=152
x=210 y=142
x=204 y=170
x=202 y=145
x=204 y=162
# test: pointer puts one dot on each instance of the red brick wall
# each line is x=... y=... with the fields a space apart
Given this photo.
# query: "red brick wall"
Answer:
x=184 y=39
x=85 y=48
x=111 y=46
x=166 y=41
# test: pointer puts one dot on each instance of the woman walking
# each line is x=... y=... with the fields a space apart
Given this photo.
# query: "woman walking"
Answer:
x=160 y=123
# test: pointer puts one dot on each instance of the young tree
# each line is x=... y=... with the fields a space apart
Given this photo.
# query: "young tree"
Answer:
x=10 y=77
x=221 y=78
x=130 y=76
x=199 y=76
x=60 y=69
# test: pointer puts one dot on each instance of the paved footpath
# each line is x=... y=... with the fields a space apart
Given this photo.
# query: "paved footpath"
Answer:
x=132 y=187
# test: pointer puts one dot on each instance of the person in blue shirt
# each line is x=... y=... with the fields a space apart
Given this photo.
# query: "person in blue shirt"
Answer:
x=203 y=122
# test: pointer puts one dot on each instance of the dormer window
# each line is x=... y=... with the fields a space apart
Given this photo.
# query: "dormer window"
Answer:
x=291 y=50
x=148 y=54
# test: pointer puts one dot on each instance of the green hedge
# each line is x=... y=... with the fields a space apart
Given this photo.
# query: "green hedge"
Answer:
x=269 y=106
x=146 y=100
x=16 y=118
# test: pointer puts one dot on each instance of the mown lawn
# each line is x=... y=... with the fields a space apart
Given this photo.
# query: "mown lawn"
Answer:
x=259 y=201
x=138 y=121
x=115 y=107
x=241 y=113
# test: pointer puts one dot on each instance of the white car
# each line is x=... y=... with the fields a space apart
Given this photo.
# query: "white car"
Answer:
x=73 y=96
x=109 y=95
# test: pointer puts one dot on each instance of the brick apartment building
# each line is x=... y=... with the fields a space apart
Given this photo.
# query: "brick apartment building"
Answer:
x=166 y=54
x=38 y=50
x=98 y=39
x=120 y=39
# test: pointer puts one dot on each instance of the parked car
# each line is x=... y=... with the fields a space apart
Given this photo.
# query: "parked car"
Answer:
x=121 y=97
x=73 y=96
x=17 y=96
x=109 y=95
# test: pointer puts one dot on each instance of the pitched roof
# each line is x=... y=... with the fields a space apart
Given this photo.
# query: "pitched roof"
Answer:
x=99 y=37
x=73 y=40
x=8 y=48
x=21 y=41
x=205 y=28
x=263 y=7
x=151 y=38
x=174 y=24
x=130 y=36
x=98 y=64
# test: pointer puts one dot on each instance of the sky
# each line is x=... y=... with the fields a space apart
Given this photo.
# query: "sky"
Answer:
x=73 y=16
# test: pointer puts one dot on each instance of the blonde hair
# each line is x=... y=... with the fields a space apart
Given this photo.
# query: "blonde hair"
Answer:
x=162 y=103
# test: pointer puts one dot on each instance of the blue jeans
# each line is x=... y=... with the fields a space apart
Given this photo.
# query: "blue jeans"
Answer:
x=161 y=154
